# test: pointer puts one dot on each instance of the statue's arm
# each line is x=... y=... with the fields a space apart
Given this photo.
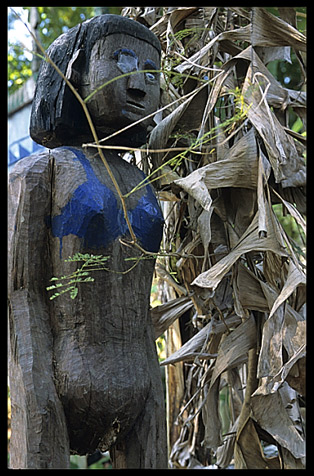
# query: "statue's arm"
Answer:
x=39 y=436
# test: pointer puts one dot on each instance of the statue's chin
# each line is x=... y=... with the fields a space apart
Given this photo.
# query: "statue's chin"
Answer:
x=132 y=137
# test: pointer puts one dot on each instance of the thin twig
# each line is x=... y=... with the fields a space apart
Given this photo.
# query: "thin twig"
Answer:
x=206 y=68
x=134 y=149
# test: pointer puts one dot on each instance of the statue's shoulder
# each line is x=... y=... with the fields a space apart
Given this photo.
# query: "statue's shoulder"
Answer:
x=32 y=168
x=29 y=163
x=42 y=163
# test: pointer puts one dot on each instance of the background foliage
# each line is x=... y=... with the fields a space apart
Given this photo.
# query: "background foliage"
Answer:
x=234 y=205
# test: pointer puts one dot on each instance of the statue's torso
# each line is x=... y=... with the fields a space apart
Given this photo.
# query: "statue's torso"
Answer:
x=103 y=338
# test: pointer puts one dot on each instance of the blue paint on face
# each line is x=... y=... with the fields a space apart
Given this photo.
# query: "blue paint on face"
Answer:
x=149 y=64
x=94 y=214
x=125 y=51
x=127 y=60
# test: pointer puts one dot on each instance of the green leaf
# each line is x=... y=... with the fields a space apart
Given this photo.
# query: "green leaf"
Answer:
x=54 y=296
x=73 y=293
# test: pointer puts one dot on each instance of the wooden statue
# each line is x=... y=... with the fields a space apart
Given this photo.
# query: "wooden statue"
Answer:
x=84 y=373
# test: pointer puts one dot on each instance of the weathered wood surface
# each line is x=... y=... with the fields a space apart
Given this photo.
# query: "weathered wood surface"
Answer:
x=84 y=373
x=39 y=437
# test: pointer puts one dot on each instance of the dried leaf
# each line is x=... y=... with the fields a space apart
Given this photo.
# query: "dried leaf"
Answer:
x=287 y=165
x=168 y=176
x=249 y=241
x=233 y=349
x=277 y=96
x=232 y=352
x=278 y=333
x=288 y=14
x=191 y=348
x=270 y=413
x=179 y=14
x=204 y=227
x=248 y=289
x=293 y=212
x=241 y=34
x=296 y=377
x=165 y=314
x=160 y=134
x=211 y=419
x=289 y=462
x=238 y=169
x=195 y=186
x=269 y=30
x=294 y=332
x=288 y=369
x=249 y=450
x=165 y=276
x=243 y=234
x=295 y=278
x=149 y=15
x=264 y=170
x=224 y=453
x=273 y=53
x=251 y=293
x=270 y=357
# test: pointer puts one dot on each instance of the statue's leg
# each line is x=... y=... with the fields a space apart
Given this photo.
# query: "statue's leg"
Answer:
x=43 y=430
x=39 y=437
x=145 y=446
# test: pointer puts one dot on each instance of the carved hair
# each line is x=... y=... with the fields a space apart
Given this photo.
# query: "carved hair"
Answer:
x=57 y=118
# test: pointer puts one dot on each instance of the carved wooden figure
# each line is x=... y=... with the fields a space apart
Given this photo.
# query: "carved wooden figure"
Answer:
x=84 y=372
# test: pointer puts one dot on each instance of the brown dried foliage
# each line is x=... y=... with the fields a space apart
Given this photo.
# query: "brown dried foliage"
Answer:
x=236 y=279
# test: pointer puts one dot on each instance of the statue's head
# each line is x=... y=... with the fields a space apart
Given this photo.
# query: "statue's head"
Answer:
x=91 y=54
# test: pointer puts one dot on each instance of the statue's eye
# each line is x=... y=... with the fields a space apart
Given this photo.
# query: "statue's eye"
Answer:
x=150 y=76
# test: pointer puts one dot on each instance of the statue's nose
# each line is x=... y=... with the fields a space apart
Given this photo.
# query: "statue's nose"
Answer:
x=136 y=85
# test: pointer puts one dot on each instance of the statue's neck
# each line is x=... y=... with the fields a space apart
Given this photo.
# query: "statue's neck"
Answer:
x=111 y=155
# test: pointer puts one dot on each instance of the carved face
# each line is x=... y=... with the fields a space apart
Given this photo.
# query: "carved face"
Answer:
x=126 y=99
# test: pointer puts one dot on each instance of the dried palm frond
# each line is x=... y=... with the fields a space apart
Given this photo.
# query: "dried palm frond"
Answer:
x=234 y=272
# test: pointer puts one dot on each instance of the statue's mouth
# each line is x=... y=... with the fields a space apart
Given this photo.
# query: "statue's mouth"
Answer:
x=136 y=105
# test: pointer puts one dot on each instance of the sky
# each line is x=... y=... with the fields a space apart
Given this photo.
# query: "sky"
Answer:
x=19 y=33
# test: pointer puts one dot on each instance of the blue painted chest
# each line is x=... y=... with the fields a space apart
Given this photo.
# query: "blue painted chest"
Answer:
x=94 y=213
